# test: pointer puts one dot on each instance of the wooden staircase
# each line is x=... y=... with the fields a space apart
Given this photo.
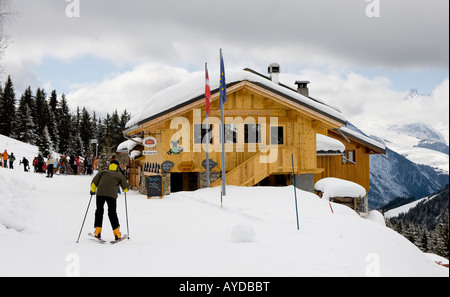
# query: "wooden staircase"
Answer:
x=272 y=160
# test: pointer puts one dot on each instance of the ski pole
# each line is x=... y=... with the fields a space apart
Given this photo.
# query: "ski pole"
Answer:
x=126 y=213
x=84 y=219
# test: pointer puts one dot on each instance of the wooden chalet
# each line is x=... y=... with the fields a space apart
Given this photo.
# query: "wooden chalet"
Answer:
x=266 y=124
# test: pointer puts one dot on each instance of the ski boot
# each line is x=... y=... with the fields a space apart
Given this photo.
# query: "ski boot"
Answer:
x=98 y=232
x=117 y=233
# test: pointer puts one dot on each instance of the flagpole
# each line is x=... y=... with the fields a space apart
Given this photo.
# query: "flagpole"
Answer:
x=207 y=141
x=207 y=153
x=222 y=133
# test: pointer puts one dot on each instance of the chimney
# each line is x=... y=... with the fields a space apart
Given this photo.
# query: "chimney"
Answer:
x=302 y=87
x=274 y=71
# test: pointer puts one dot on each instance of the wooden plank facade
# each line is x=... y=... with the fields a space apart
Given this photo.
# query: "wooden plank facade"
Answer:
x=263 y=129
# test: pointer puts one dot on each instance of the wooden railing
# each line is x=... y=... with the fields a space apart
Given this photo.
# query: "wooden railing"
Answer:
x=272 y=160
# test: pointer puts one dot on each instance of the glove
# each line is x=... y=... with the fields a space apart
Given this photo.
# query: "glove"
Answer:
x=93 y=189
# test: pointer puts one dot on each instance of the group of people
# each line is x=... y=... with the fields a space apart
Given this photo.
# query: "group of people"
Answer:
x=72 y=164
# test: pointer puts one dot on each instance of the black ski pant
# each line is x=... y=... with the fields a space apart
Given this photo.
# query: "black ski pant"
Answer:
x=50 y=170
x=112 y=212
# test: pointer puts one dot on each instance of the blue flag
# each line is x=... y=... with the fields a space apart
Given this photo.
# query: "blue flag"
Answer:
x=223 y=85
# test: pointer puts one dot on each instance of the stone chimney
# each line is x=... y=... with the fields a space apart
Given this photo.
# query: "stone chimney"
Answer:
x=302 y=87
x=274 y=72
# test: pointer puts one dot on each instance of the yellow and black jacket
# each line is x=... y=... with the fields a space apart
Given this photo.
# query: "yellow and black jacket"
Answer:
x=107 y=182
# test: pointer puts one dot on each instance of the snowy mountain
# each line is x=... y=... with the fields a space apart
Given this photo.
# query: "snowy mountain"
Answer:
x=413 y=93
x=416 y=163
x=394 y=175
x=415 y=172
x=419 y=130
x=188 y=234
x=419 y=143
x=435 y=212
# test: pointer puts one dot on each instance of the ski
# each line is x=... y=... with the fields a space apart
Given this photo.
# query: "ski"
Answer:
x=97 y=239
x=119 y=240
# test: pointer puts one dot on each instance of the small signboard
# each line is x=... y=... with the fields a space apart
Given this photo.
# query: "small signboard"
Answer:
x=166 y=166
x=154 y=185
x=149 y=141
x=186 y=166
x=212 y=164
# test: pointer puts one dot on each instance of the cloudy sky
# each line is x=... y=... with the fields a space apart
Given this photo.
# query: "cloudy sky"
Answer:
x=360 y=55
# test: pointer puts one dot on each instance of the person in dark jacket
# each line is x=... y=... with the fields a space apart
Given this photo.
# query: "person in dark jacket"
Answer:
x=26 y=164
x=40 y=163
x=106 y=185
x=11 y=159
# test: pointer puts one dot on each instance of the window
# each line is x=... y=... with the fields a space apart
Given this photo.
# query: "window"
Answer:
x=252 y=133
x=350 y=157
x=200 y=133
x=230 y=133
x=276 y=135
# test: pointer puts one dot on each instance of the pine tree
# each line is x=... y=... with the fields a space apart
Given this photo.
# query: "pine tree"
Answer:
x=41 y=111
x=442 y=237
x=7 y=108
x=52 y=122
x=115 y=129
x=24 y=129
x=422 y=239
x=45 y=146
x=86 y=131
x=106 y=138
x=75 y=136
x=64 y=123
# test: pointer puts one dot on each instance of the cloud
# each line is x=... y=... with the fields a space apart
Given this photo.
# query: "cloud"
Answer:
x=368 y=103
x=371 y=103
x=129 y=90
x=163 y=42
x=408 y=33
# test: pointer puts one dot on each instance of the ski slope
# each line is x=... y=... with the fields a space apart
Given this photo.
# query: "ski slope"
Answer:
x=188 y=234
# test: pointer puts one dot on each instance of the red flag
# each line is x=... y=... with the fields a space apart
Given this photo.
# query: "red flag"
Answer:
x=207 y=92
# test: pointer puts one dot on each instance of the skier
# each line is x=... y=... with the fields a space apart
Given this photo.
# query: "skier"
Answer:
x=5 y=156
x=50 y=162
x=26 y=164
x=35 y=162
x=106 y=184
x=89 y=163
x=40 y=163
x=11 y=160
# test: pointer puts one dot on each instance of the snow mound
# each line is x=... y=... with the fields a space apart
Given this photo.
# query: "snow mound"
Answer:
x=335 y=187
x=377 y=217
x=243 y=232
x=16 y=201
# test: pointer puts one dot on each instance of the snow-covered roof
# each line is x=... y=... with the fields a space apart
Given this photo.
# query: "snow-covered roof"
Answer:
x=180 y=94
x=128 y=145
x=364 y=138
x=336 y=187
x=325 y=144
x=135 y=154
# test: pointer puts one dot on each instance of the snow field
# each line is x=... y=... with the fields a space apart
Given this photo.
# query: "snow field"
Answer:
x=188 y=234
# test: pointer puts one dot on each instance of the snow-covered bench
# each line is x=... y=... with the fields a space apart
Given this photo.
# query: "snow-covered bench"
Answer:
x=341 y=191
